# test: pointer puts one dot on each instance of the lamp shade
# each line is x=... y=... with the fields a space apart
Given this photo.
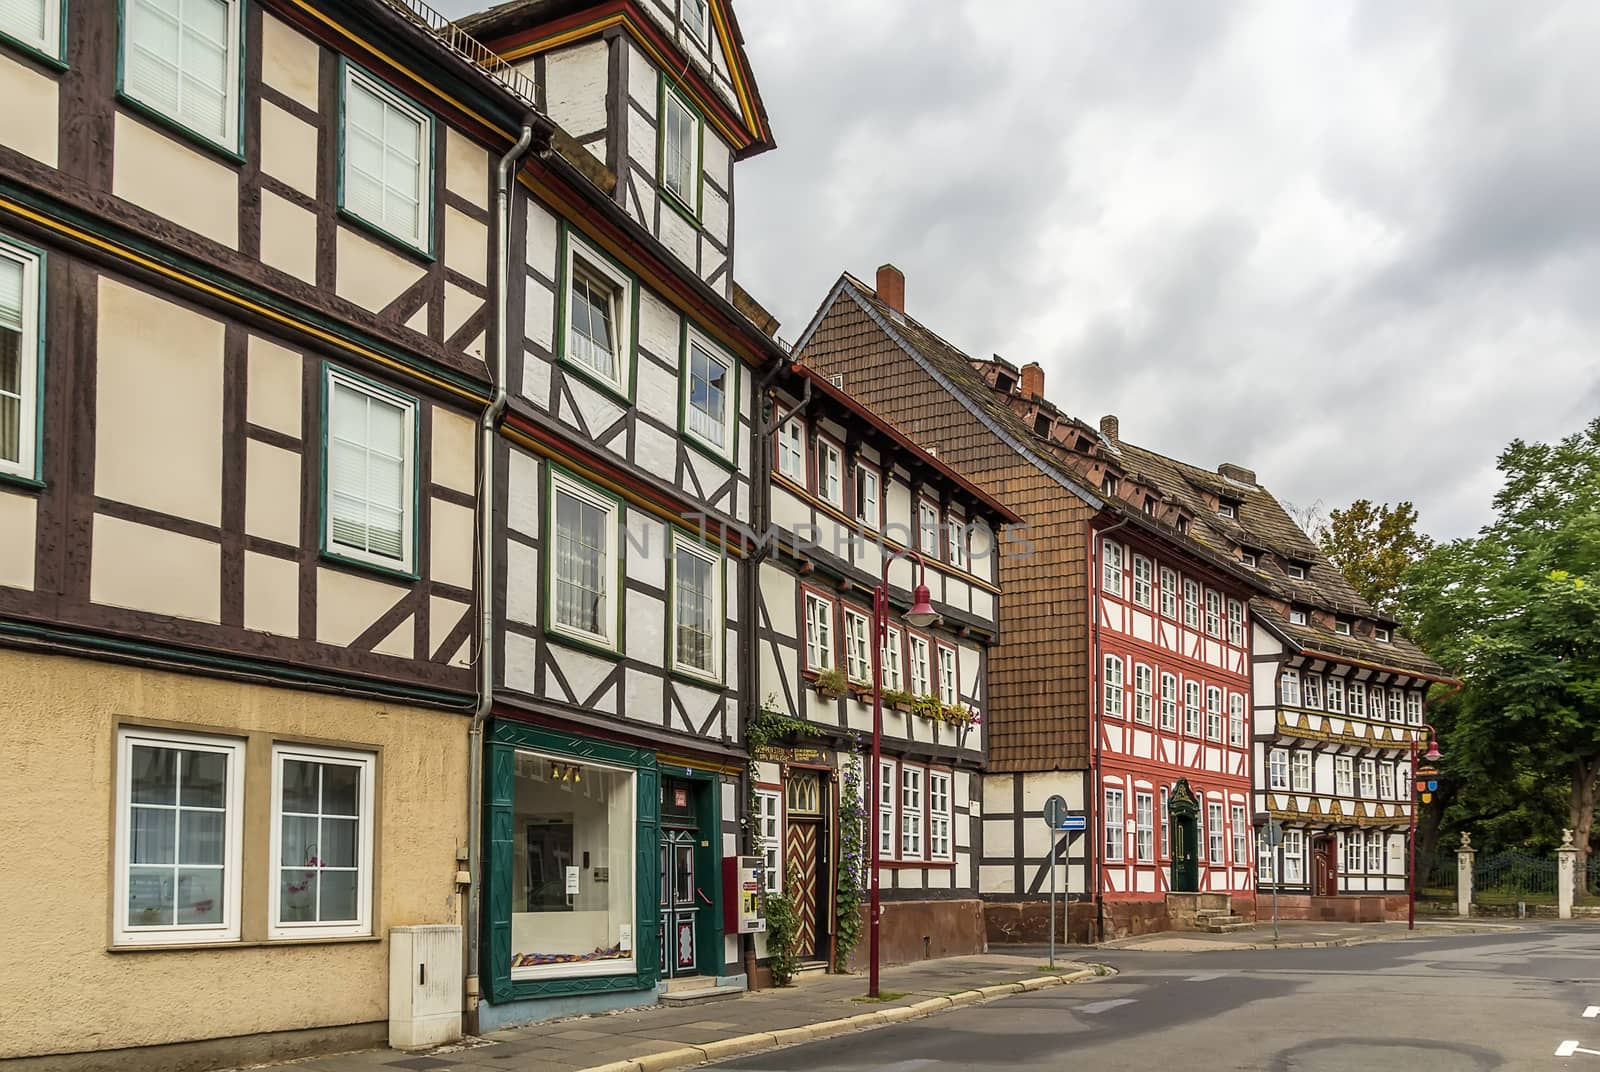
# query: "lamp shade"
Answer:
x=1433 y=755
x=921 y=613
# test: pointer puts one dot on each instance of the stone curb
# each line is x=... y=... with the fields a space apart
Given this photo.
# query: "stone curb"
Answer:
x=739 y=1046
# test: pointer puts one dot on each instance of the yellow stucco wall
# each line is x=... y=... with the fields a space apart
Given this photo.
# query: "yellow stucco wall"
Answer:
x=61 y=989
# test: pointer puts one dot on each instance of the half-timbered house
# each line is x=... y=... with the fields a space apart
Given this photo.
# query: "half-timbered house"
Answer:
x=1121 y=677
x=847 y=494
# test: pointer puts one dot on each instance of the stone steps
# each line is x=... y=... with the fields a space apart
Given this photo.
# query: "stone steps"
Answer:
x=1226 y=924
x=702 y=996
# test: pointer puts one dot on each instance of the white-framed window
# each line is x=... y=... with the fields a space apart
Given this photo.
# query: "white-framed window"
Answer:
x=886 y=796
x=1191 y=708
x=1236 y=623
x=1397 y=701
x=35 y=24
x=819 y=632
x=1236 y=719
x=696 y=17
x=928 y=528
x=1111 y=570
x=1241 y=832
x=1166 y=825
x=1414 y=707
x=939 y=815
x=921 y=666
x=1143 y=692
x=680 y=150
x=1344 y=776
x=769 y=836
x=1191 y=603
x=1113 y=686
x=868 y=511
x=20 y=327
x=1278 y=769
x=1358 y=699
x=1378 y=709
x=949 y=688
x=1294 y=856
x=1355 y=854
x=1335 y=696
x=1289 y=688
x=910 y=813
x=1227 y=510
x=1169 y=702
x=710 y=408
x=1368 y=773
x=1386 y=781
x=1297 y=616
x=321 y=842
x=180 y=822
x=1375 y=839
x=956 y=540
x=1116 y=827
x=1169 y=593
x=180 y=58
x=1311 y=691
x=697 y=617
x=1300 y=764
x=891 y=660
x=1248 y=559
x=1143 y=577
x=1266 y=858
x=388 y=160
x=584 y=563
x=599 y=335
x=1213 y=713
x=1341 y=627
x=1215 y=839
x=830 y=472
x=792 y=450
x=370 y=480
x=1380 y=634
x=1144 y=832
x=857 y=646
x=1213 y=613
x=1296 y=571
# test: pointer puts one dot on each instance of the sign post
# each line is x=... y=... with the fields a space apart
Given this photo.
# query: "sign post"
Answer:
x=1275 y=842
x=1055 y=809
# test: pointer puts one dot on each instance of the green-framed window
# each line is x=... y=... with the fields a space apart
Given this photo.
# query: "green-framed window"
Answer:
x=21 y=359
x=182 y=61
x=583 y=563
x=709 y=402
x=385 y=160
x=598 y=316
x=697 y=631
x=370 y=493
x=38 y=26
x=681 y=149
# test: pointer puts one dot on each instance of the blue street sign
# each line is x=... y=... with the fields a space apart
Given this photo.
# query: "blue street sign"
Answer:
x=1073 y=822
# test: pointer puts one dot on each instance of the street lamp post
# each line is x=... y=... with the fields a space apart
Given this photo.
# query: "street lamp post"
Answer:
x=920 y=615
x=1432 y=755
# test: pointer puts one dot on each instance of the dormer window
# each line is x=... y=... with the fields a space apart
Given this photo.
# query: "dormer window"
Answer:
x=1380 y=634
x=696 y=16
x=1149 y=505
x=1247 y=559
x=1297 y=616
x=1341 y=627
x=1296 y=571
x=1004 y=383
x=1183 y=526
x=1228 y=510
x=1108 y=486
x=1041 y=425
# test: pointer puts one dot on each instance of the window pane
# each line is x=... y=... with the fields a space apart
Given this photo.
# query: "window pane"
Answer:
x=299 y=786
x=150 y=896
x=199 y=895
x=338 y=892
x=202 y=837
x=339 y=840
x=580 y=561
x=155 y=775
x=341 y=785
x=299 y=840
x=297 y=896
x=205 y=780
x=24 y=20
x=151 y=835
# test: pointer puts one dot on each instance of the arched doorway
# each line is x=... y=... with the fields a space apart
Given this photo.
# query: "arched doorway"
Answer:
x=1184 y=812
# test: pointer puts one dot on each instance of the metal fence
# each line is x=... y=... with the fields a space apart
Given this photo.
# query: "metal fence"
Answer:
x=1590 y=887
x=1442 y=878
x=1513 y=876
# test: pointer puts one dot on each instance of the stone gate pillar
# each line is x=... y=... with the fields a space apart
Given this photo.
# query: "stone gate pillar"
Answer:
x=1566 y=874
x=1464 y=857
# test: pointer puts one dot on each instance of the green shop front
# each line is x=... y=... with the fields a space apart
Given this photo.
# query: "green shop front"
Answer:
x=602 y=874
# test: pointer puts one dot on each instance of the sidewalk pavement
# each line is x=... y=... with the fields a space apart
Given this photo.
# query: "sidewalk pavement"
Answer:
x=1303 y=934
x=659 y=1038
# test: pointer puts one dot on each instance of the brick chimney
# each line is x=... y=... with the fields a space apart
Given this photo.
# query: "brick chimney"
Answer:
x=1032 y=380
x=1110 y=428
x=1237 y=473
x=892 y=287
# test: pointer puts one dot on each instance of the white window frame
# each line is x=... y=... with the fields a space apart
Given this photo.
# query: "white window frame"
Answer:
x=690 y=198
x=232 y=136
x=366 y=763
x=1311 y=691
x=1355 y=852
x=1414 y=707
x=941 y=814
x=1236 y=719
x=1191 y=708
x=1144 y=833
x=1335 y=696
x=1112 y=706
x=30 y=352
x=1240 y=830
x=227 y=930
x=949 y=676
x=1297 y=616
x=928 y=527
x=1143 y=692
x=769 y=807
x=1111 y=567
x=1213 y=713
x=702 y=33
x=1386 y=781
x=1143 y=579
x=1213 y=613
x=921 y=658
x=911 y=807
x=889 y=652
x=1278 y=769
x=1341 y=627
x=1236 y=623
x=871 y=517
x=1169 y=703
x=888 y=793
x=1344 y=776
x=682 y=545
x=955 y=537
x=1295 y=571
x=1358 y=699
x=1294 y=847
x=1116 y=827
x=724 y=448
x=1302 y=768
x=820 y=638
x=1375 y=853
x=1227 y=510
x=1397 y=705
x=857 y=646
x=792 y=450
x=1289 y=688
x=406 y=563
x=1191 y=603
x=830 y=472
x=1169 y=593
x=1367 y=778
x=1247 y=559
x=51 y=13
x=611 y=612
x=1380 y=634
x=1216 y=835
x=354 y=78
x=1378 y=707
x=581 y=259
x=1165 y=848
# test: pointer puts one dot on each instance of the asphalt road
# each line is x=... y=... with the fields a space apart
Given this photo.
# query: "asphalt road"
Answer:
x=1460 y=1004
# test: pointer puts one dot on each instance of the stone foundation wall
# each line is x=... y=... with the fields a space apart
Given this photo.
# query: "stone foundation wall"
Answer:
x=923 y=930
x=1028 y=922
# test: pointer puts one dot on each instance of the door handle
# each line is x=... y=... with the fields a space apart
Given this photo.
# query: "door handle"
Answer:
x=698 y=892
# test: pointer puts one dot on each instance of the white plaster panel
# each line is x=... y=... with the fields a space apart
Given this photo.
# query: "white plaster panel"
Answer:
x=911 y=879
x=454 y=450
x=993 y=878
x=288 y=237
x=583 y=672
x=536 y=381
x=679 y=236
x=273 y=387
x=644 y=697
x=162 y=174
x=347 y=604
x=521 y=659
x=539 y=315
x=450 y=550
x=659 y=332
x=272 y=493
x=658 y=393
x=542 y=240
x=655 y=451
x=401 y=641
x=466 y=172
x=644 y=625
x=643 y=79
x=271 y=594
x=158 y=440
x=466 y=245
x=288 y=149
x=522 y=493
x=597 y=410
x=647 y=549
x=290 y=61
x=30 y=119
x=459 y=305
x=18 y=539
x=575 y=86
x=370 y=274
x=522 y=583
x=714 y=216
x=717 y=160
x=443 y=616
x=145 y=568
x=643 y=147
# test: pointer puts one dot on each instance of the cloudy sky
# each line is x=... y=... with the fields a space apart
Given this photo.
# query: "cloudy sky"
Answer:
x=1355 y=246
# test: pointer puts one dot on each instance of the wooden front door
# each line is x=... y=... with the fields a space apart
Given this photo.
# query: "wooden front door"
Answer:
x=1327 y=868
x=802 y=859
x=1185 y=854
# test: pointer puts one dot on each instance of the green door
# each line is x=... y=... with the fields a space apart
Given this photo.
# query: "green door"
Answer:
x=1184 y=811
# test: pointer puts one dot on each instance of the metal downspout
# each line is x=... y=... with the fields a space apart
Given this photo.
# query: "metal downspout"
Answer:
x=486 y=533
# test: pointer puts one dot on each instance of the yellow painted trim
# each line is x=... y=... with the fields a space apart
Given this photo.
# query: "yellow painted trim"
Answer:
x=697 y=764
x=244 y=303
x=626 y=494
x=740 y=90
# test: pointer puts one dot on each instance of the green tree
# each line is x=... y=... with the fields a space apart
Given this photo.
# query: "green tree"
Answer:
x=1515 y=613
x=1374 y=546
